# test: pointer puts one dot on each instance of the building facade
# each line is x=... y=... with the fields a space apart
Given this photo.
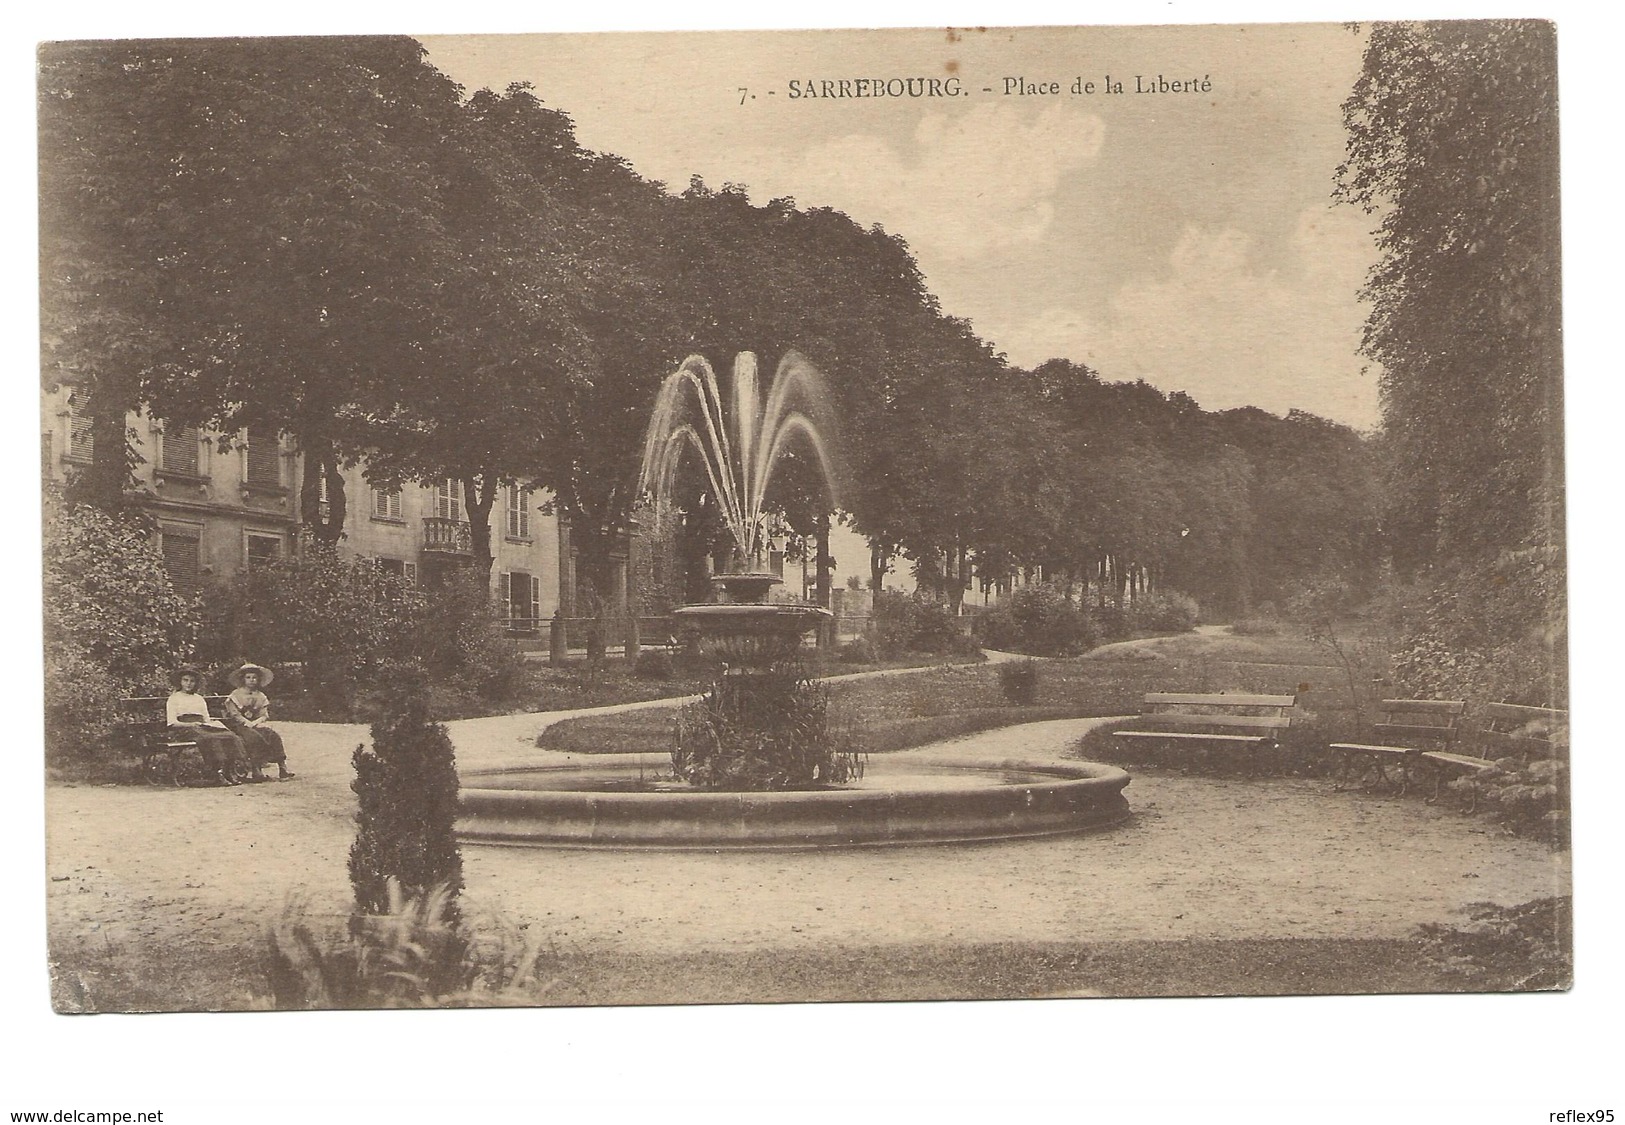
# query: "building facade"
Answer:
x=223 y=503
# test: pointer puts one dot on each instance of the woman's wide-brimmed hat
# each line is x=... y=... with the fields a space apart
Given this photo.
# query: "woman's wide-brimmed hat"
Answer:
x=266 y=675
x=184 y=670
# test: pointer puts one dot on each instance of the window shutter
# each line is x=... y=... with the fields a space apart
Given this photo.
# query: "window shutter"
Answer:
x=80 y=443
x=518 y=512
x=410 y=572
x=386 y=503
x=507 y=596
x=180 y=552
x=448 y=501
x=264 y=457
x=180 y=448
x=535 y=600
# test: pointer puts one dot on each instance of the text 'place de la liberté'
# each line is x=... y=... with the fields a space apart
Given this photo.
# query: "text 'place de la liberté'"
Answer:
x=1007 y=86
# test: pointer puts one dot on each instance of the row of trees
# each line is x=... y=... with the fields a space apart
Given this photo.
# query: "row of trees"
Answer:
x=327 y=237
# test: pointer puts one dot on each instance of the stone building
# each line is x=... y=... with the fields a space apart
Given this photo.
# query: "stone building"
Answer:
x=222 y=505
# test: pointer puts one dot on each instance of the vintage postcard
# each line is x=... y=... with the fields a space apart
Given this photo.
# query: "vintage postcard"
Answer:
x=743 y=517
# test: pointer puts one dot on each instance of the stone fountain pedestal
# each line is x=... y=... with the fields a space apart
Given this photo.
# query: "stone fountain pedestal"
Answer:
x=744 y=628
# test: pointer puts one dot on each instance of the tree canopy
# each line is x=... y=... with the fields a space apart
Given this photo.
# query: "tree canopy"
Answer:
x=331 y=240
x=1453 y=143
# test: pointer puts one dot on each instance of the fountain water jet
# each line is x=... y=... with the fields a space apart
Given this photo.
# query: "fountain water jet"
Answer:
x=739 y=459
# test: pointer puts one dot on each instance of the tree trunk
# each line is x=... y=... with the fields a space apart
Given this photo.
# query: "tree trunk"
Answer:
x=824 y=562
x=879 y=562
x=595 y=578
x=956 y=578
x=102 y=483
x=324 y=520
x=479 y=496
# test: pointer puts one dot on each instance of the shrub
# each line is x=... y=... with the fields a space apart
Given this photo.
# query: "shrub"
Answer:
x=108 y=597
x=113 y=623
x=1507 y=947
x=81 y=705
x=339 y=619
x=1037 y=621
x=1111 y=622
x=1164 y=613
x=1256 y=627
x=342 y=620
x=859 y=650
x=917 y=623
x=458 y=636
x=412 y=954
x=406 y=788
x=1493 y=630
x=1019 y=680
x=1319 y=599
x=653 y=664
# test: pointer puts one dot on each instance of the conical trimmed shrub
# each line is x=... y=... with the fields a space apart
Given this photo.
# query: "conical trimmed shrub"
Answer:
x=406 y=786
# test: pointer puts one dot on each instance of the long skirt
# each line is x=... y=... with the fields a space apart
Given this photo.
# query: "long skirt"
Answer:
x=262 y=744
x=217 y=746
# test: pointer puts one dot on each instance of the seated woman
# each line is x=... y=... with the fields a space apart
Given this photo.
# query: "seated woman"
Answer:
x=248 y=712
x=187 y=714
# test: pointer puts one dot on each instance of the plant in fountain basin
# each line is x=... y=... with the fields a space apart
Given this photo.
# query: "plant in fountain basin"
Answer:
x=762 y=724
x=762 y=729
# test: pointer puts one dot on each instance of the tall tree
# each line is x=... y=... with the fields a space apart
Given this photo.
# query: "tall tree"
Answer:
x=243 y=232
x=1453 y=142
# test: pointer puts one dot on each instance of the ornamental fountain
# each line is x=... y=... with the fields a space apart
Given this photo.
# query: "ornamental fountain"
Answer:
x=740 y=625
x=753 y=765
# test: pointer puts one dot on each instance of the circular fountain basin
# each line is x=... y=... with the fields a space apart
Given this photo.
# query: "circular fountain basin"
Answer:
x=628 y=801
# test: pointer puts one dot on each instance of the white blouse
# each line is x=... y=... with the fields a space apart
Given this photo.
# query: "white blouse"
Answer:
x=186 y=703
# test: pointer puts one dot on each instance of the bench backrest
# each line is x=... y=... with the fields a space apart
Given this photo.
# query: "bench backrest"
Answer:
x=1261 y=714
x=145 y=711
x=1526 y=733
x=1433 y=721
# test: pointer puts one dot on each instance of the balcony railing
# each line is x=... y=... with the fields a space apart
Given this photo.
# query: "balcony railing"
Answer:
x=447 y=537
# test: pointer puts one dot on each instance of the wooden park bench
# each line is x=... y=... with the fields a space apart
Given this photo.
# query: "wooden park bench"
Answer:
x=1508 y=730
x=1407 y=729
x=1212 y=723
x=167 y=758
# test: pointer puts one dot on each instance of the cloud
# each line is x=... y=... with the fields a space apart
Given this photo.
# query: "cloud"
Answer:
x=965 y=183
x=1229 y=329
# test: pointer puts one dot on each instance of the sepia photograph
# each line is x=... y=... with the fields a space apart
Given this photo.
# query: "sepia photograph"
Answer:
x=678 y=519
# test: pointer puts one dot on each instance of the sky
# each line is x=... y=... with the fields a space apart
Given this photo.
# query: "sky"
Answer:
x=1188 y=239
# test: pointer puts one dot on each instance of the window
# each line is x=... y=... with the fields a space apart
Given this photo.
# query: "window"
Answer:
x=519 y=512
x=182 y=559
x=81 y=446
x=262 y=549
x=448 y=500
x=523 y=595
x=386 y=503
x=263 y=461
x=398 y=568
x=179 y=449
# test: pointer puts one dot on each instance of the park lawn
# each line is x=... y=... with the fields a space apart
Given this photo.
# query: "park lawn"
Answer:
x=897 y=712
x=576 y=686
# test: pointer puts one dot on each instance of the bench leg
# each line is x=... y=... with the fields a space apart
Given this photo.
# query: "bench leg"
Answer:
x=1407 y=775
x=159 y=768
x=1472 y=796
x=1340 y=777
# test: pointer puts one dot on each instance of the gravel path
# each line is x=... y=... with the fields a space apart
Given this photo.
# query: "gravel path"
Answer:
x=1201 y=858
